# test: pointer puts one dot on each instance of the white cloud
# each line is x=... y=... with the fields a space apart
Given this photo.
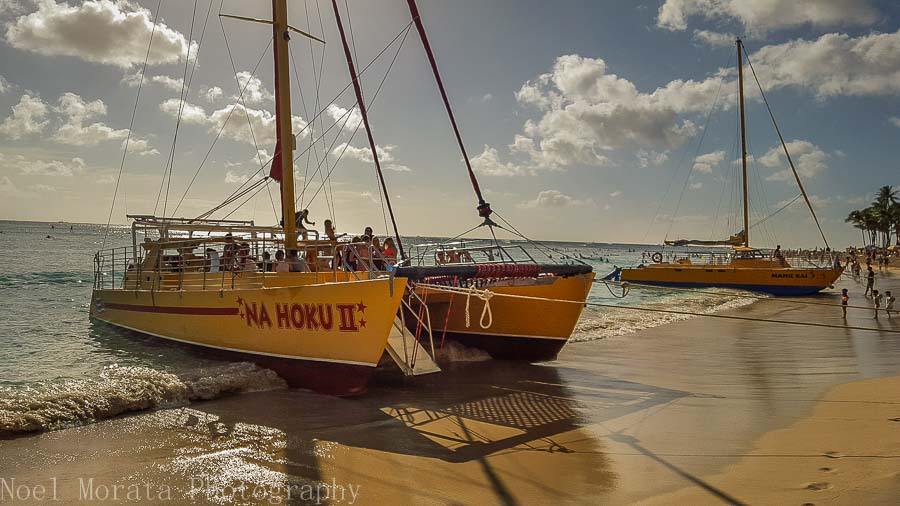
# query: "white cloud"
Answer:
x=759 y=17
x=487 y=97
x=190 y=113
x=809 y=159
x=43 y=188
x=173 y=83
x=30 y=167
x=28 y=117
x=894 y=121
x=588 y=110
x=236 y=128
x=714 y=39
x=4 y=85
x=551 y=199
x=488 y=163
x=140 y=147
x=696 y=185
x=211 y=94
x=100 y=31
x=385 y=156
x=705 y=163
x=75 y=111
x=339 y=114
x=232 y=177
x=615 y=194
x=833 y=65
x=648 y=158
x=107 y=179
x=254 y=91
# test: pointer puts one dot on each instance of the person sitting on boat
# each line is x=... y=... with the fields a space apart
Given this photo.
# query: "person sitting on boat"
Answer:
x=245 y=262
x=297 y=264
x=364 y=250
x=350 y=258
x=300 y=218
x=280 y=264
x=390 y=251
x=453 y=257
x=189 y=261
x=267 y=262
x=377 y=254
x=440 y=258
x=229 y=253
x=212 y=260
x=368 y=233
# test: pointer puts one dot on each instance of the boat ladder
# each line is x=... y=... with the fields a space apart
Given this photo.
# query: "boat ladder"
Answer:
x=405 y=349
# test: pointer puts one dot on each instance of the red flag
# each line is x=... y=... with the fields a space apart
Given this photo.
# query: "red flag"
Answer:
x=275 y=170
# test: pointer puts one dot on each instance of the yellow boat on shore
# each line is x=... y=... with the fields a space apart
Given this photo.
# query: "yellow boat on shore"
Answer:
x=743 y=267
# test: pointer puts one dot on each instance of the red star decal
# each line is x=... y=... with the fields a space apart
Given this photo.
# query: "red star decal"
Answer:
x=362 y=323
x=361 y=307
x=242 y=315
x=240 y=301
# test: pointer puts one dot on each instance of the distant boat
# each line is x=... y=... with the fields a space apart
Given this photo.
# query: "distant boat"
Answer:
x=743 y=267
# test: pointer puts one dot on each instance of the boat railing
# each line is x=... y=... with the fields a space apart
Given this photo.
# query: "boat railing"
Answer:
x=220 y=263
x=462 y=253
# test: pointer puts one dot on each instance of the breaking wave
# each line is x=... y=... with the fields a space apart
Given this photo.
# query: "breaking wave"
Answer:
x=610 y=322
x=120 y=390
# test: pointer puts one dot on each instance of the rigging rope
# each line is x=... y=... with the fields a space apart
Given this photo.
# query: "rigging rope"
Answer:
x=131 y=124
x=787 y=154
x=674 y=311
x=170 y=163
x=357 y=87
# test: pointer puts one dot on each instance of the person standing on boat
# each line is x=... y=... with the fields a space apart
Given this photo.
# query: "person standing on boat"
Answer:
x=870 y=281
x=778 y=255
x=303 y=217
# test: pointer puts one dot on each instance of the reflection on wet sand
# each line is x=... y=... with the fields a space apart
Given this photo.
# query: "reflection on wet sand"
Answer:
x=501 y=434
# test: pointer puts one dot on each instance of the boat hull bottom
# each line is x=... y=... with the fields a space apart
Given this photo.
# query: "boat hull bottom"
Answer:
x=769 y=289
x=525 y=349
x=329 y=378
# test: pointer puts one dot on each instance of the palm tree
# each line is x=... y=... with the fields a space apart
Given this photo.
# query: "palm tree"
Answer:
x=855 y=218
x=883 y=208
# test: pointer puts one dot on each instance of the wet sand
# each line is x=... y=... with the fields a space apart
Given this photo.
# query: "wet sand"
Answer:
x=698 y=411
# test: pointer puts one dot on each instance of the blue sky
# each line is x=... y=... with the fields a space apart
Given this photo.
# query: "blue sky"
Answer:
x=584 y=120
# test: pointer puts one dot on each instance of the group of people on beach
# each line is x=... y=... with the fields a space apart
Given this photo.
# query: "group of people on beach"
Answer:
x=885 y=299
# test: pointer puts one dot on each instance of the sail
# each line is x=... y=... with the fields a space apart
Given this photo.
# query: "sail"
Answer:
x=735 y=240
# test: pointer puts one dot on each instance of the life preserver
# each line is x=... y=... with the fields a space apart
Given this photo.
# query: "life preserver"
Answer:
x=656 y=257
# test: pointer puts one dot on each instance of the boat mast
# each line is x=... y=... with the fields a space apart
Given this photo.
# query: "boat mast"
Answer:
x=740 y=67
x=284 y=149
x=484 y=208
x=357 y=88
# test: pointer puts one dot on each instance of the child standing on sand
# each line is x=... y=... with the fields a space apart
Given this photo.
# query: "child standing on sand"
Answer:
x=845 y=299
x=890 y=302
x=877 y=298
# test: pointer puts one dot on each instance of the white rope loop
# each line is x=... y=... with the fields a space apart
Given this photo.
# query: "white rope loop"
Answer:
x=486 y=312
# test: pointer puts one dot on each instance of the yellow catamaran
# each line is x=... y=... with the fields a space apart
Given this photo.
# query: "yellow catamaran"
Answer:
x=745 y=267
x=325 y=329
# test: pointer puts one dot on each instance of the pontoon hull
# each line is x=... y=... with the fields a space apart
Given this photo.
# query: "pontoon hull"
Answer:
x=534 y=326
x=774 y=281
x=325 y=337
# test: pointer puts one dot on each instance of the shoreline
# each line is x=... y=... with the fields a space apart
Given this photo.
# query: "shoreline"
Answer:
x=616 y=420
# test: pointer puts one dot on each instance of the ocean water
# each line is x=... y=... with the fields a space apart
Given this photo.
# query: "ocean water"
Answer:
x=59 y=368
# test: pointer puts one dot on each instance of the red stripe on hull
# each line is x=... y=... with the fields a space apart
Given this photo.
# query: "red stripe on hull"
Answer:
x=214 y=311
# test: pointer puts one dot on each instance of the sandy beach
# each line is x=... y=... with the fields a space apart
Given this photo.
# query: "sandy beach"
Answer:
x=702 y=411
